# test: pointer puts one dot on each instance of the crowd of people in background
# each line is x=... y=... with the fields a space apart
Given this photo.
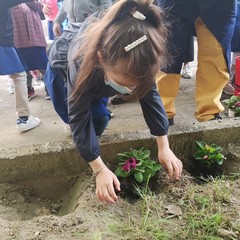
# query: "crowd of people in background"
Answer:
x=130 y=49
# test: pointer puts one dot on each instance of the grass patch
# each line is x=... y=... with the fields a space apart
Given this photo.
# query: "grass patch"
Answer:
x=205 y=211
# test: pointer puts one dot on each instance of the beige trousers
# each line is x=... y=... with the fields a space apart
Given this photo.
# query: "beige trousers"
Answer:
x=20 y=94
x=211 y=77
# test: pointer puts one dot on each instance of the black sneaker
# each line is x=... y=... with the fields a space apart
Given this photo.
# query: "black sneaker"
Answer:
x=171 y=121
x=31 y=93
x=216 y=117
x=118 y=99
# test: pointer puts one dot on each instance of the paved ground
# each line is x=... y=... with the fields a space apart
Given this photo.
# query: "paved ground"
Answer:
x=128 y=117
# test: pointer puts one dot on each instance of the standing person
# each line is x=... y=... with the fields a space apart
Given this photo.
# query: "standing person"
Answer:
x=235 y=47
x=77 y=11
x=50 y=10
x=186 y=71
x=214 y=23
x=29 y=39
x=11 y=64
x=120 y=53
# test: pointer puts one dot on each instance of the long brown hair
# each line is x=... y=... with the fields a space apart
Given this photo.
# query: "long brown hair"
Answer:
x=114 y=31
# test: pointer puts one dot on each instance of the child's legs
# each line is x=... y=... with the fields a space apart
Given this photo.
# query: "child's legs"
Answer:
x=21 y=95
x=168 y=86
x=57 y=91
x=51 y=35
x=100 y=115
x=29 y=79
x=168 y=81
x=212 y=74
x=100 y=124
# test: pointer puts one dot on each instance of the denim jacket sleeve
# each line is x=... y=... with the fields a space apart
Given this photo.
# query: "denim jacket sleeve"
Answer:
x=154 y=113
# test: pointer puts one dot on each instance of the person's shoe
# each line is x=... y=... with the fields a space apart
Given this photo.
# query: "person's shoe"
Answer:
x=11 y=88
x=186 y=72
x=47 y=97
x=216 y=117
x=111 y=113
x=27 y=123
x=118 y=99
x=67 y=129
x=31 y=93
x=229 y=89
x=171 y=121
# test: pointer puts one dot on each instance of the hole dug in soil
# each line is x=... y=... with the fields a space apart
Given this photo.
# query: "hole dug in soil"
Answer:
x=62 y=195
x=34 y=198
x=66 y=208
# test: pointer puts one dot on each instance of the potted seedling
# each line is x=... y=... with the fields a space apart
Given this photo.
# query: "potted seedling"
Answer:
x=233 y=105
x=208 y=159
x=135 y=168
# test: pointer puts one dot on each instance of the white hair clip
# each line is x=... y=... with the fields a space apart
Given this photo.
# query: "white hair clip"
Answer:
x=135 y=43
x=139 y=15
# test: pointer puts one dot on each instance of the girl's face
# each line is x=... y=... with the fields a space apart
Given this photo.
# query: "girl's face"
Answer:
x=117 y=76
x=120 y=82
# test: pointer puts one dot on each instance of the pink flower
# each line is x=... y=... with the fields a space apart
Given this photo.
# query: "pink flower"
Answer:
x=237 y=104
x=205 y=157
x=131 y=163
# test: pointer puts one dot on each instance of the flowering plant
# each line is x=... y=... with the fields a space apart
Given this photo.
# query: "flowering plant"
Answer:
x=209 y=154
x=137 y=163
x=233 y=103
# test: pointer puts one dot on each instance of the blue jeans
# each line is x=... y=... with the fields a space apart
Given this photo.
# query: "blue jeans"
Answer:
x=57 y=90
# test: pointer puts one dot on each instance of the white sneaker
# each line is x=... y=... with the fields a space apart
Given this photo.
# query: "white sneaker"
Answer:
x=67 y=129
x=31 y=123
x=229 y=89
x=11 y=87
x=186 y=72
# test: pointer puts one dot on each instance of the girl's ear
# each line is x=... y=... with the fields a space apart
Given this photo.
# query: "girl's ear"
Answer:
x=100 y=58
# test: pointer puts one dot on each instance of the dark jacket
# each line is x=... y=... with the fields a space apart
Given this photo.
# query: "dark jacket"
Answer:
x=6 y=26
x=80 y=117
x=218 y=15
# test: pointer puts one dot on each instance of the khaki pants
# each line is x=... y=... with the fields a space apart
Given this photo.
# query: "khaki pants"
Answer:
x=20 y=94
x=211 y=77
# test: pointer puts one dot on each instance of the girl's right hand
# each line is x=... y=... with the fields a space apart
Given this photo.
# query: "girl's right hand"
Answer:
x=106 y=182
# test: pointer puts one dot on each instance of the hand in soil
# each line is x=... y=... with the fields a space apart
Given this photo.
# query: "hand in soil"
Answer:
x=106 y=182
x=171 y=163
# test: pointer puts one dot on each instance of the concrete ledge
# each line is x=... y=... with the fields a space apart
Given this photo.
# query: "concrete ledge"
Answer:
x=62 y=158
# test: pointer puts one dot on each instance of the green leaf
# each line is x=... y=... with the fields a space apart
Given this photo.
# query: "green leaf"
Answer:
x=125 y=154
x=150 y=165
x=147 y=153
x=140 y=169
x=215 y=148
x=219 y=162
x=219 y=156
x=120 y=173
x=138 y=176
x=201 y=144
x=139 y=163
x=156 y=167
x=199 y=154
